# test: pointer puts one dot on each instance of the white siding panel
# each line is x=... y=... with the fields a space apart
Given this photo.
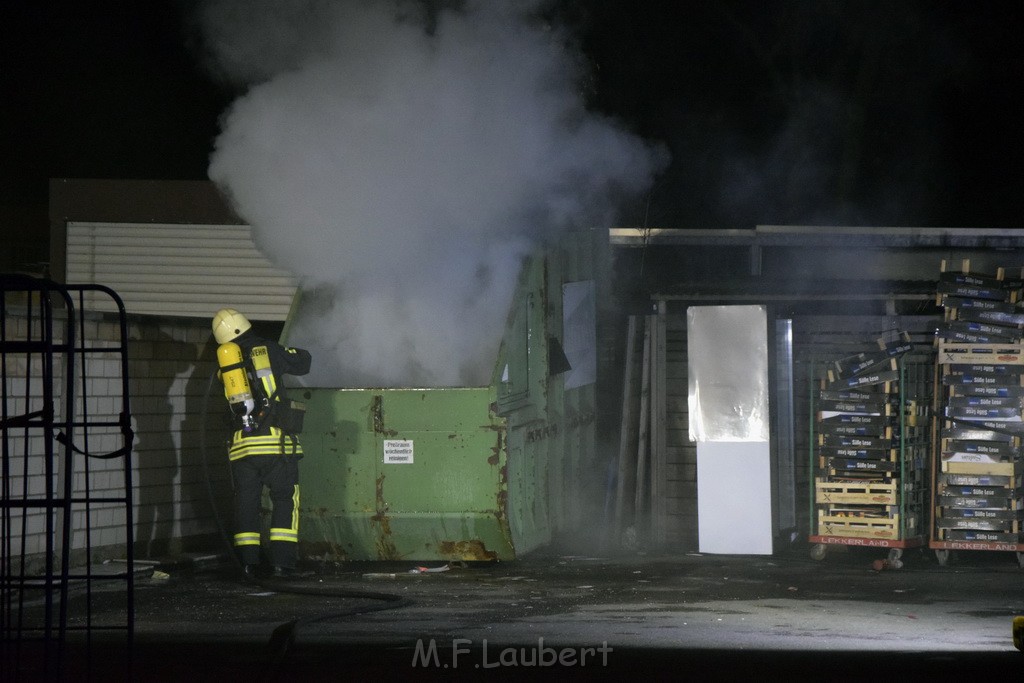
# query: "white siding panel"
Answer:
x=180 y=270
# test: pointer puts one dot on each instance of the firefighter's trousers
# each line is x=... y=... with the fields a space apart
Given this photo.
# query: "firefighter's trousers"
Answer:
x=280 y=474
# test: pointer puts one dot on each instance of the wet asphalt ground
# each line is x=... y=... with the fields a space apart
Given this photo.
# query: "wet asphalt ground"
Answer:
x=686 y=616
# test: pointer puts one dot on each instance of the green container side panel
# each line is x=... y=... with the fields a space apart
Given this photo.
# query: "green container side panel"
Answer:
x=445 y=500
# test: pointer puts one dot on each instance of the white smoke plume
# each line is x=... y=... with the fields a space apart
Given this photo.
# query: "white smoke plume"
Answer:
x=401 y=162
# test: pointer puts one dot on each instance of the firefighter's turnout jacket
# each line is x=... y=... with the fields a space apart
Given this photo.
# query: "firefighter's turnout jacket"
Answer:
x=278 y=422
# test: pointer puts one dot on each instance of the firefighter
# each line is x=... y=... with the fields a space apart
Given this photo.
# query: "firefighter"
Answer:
x=264 y=448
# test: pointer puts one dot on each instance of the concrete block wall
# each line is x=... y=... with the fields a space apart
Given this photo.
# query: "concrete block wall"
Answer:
x=27 y=478
x=177 y=446
x=98 y=405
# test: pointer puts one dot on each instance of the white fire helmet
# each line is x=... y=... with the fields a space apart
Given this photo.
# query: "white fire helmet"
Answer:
x=228 y=324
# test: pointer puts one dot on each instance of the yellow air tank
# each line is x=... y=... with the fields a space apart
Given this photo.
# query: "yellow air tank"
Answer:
x=236 y=384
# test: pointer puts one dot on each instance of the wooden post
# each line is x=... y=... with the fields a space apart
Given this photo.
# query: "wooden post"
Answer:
x=626 y=434
x=654 y=468
x=645 y=424
x=658 y=452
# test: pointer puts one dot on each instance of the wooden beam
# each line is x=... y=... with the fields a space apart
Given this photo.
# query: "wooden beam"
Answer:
x=626 y=428
x=645 y=423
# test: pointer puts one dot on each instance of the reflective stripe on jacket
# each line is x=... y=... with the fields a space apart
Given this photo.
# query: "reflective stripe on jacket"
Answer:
x=275 y=443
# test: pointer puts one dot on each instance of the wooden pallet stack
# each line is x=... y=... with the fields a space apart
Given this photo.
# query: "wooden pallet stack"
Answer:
x=871 y=446
x=978 y=487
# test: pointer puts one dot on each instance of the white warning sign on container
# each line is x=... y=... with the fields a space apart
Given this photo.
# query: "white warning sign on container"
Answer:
x=398 y=451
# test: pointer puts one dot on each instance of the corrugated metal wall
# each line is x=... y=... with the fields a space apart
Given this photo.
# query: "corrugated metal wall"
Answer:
x=187 y=270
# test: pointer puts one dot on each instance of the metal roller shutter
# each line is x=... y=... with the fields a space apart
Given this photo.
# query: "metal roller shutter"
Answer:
x=184 y=270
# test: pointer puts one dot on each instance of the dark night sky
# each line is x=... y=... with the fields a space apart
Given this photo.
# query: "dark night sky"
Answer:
x=101 y=89
x=859 y=113
x=863 y=112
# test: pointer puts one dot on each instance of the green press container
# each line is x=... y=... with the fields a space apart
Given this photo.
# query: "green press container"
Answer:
x=468 y=473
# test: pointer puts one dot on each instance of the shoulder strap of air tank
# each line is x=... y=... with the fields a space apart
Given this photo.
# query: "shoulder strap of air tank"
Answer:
x=255 y=383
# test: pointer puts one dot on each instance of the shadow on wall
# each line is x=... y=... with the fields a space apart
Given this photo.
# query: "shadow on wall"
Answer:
x=158 y=364
x=205 y=435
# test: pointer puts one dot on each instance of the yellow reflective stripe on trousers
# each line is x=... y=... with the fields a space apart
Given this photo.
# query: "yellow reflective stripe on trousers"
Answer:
x=247 y=538
x=290 y=535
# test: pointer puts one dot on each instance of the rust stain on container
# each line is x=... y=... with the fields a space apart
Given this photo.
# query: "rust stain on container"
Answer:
x=474 y=550
x=377 y=410
x=385 y=546
x=495 y=456
x=325 y=550
x=386 y=550
x=502 y=497
x=381 y=516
